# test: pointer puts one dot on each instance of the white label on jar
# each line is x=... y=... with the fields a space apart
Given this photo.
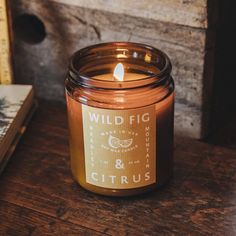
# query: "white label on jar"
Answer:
x=120 y=147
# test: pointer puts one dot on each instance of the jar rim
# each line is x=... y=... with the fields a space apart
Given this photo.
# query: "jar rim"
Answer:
x=156 y=79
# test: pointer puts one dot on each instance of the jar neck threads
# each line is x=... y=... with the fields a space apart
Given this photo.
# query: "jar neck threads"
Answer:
x=89 y=63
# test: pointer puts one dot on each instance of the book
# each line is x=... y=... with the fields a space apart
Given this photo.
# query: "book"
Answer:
x=16 y=108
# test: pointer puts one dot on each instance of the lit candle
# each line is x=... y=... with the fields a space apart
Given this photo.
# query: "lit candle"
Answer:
x=120 y=107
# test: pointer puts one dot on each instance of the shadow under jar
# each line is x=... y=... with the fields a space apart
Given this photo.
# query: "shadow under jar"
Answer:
x=120 y=123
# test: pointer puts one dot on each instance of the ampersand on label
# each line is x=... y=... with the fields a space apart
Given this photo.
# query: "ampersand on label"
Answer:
x=119 y=164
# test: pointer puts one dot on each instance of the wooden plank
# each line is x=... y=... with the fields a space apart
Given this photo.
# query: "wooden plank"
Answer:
x=190 y=13
x=19 y=220
x=203 y=185
x=121 y=23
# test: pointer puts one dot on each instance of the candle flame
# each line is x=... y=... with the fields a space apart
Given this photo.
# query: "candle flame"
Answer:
x=119 y=72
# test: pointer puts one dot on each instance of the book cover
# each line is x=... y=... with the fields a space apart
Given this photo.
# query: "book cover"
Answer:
x=16 y=102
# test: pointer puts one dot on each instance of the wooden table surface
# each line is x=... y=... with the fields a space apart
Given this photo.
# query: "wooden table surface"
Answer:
x=39 y=197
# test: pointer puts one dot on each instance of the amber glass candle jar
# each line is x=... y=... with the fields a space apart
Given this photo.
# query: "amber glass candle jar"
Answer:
x=120 y=100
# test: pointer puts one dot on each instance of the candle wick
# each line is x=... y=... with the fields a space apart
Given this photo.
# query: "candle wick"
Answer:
x=117 y=80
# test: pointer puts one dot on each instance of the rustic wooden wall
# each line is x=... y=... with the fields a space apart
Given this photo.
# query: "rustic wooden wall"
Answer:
x=185 y=30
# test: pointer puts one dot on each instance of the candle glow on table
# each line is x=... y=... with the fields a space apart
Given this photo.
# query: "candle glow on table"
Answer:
x=121 y=128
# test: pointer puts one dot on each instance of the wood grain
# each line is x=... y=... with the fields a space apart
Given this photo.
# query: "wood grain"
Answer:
x=190 y=13
x=38 y=194
x=21 y=220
